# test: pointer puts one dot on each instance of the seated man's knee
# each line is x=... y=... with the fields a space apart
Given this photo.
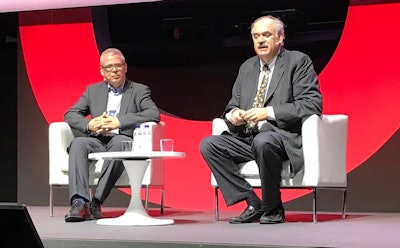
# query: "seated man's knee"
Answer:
x=206 y=144
x=264 y=142
x=78 y=143
x=116 y=143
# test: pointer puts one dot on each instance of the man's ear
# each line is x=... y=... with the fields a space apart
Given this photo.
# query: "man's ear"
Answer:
x=280 y=39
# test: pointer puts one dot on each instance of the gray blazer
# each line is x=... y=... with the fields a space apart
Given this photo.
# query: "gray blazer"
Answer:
x=293 y=93
x=136 y=107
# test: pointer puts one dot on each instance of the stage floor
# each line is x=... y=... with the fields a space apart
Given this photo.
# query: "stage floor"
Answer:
x=198 y=229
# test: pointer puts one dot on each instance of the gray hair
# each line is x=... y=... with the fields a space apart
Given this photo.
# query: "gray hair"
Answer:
x=279 y=25
x=111 y=51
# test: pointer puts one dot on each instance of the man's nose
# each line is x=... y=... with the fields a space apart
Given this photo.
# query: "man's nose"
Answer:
x=261 y=39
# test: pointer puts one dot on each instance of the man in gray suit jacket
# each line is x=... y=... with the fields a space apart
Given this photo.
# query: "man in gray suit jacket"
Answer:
x=267 y=130
x=116 y=106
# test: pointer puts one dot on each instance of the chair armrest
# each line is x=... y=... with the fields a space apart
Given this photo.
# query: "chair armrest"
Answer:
x=324 y=147
x=219 y=126
x=60 y=133
x=60 y=137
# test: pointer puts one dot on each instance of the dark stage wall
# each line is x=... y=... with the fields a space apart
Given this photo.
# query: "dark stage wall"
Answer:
x=8 y=101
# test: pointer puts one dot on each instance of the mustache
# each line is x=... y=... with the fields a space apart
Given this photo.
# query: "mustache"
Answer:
x=262 y=45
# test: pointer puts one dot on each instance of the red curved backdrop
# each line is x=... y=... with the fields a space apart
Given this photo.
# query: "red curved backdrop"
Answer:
x=361 y=80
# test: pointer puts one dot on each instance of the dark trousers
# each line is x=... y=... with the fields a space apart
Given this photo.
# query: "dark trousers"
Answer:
x=223 y=154
x=79 y=165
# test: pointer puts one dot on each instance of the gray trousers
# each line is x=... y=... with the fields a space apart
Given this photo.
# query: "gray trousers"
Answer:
x=223 y=153
x=79 y=165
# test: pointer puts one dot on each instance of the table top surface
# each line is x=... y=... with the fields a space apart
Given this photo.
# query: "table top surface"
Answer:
x=136 y=155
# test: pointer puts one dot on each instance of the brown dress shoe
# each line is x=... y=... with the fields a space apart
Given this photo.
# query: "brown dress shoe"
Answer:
x=79 y=212
x=249 y=215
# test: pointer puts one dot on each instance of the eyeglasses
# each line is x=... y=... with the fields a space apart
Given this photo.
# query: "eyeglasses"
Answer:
x=112 y=66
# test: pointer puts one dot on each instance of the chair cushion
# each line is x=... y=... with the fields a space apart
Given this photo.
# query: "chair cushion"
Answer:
x=250 y=169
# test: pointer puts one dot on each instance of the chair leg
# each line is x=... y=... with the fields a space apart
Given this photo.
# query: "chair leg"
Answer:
x=91 y=193
x=162 y=201
x=314 y=211
x=344 y=203
x=216 y=204
x=51 y=201
x=146 y=201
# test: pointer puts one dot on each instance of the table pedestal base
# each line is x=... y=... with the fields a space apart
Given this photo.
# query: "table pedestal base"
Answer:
x=135 y=215
x=134 y=219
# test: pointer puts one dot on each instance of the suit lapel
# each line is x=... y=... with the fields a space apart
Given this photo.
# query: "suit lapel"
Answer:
x=276 y=75
x=253 y=83
x=127 y=92
x=103 y=97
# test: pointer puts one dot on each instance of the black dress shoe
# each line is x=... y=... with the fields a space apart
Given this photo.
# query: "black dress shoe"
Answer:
x=274 y=216
x=78 y=212
x=249 y=215
x=95 y=210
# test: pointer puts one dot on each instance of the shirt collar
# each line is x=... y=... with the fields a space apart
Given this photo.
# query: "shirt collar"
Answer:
x=270 y=64
x=118 y=91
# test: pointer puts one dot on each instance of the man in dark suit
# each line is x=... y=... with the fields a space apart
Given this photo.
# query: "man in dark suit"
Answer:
x=266 y=129
x=115 y=105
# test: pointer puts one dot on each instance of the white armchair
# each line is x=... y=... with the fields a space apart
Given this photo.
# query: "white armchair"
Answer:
x=324 y=147
x=60 y=137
